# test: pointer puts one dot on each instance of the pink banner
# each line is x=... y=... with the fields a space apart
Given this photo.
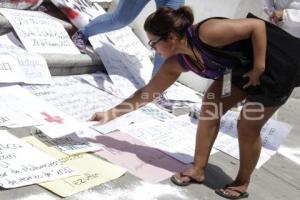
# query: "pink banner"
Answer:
x=147 y=163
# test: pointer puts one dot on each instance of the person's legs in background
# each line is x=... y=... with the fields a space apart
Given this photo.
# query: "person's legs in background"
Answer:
x=121 y=16
x=175 y=4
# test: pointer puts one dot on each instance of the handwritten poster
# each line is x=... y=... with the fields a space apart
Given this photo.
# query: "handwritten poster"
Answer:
x=11 y=117
x=129 y=43
x=145 y=113
x=133 y=53
x=272 y=134
x=20 y=4
x=180 y=92
x=80 y=100
x=79 y=12
x=91 y=170
x=230 y=146
x=18 y=169
x=53 y=122
x=40 y=33
x=17 y=65
x=74 y=97
x=156 y=113
x=73 y=143
x=143 y=161
x=125 y=57
x=103 y=82
x=118 y=71
x=9 y=71
x=166 y=136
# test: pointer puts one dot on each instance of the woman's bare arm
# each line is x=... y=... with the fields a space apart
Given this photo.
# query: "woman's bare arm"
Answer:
x=165 y=77
x=221 y=32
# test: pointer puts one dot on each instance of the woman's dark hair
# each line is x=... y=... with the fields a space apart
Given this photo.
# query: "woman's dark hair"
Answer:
x=166 y=20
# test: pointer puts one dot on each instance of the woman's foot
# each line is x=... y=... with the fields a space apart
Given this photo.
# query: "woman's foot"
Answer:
x=191 y=175
x=235 y=190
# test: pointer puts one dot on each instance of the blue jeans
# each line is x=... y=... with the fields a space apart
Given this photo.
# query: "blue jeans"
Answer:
x=125 y=12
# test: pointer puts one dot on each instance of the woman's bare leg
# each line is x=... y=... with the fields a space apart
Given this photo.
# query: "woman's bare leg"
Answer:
x=252 y=118
x=213 y=107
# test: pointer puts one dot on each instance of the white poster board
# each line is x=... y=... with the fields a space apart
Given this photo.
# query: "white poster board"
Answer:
x=79 y=12
x=146 y=113
x=17 y=65
x=103 y=82
x=39 y=33
x=119 y=72
x=273 y=134
x=74 y=97
x=72 y=144
x=54 y=122
x=11 y=117
x=169 y=137
x=21 y=164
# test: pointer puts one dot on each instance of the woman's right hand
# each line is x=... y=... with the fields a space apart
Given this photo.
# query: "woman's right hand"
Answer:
x=254 y=76
x=276 y=16
x=101 y=117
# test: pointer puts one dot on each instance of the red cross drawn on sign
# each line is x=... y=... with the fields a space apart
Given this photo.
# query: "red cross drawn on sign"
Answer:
x=50 y=118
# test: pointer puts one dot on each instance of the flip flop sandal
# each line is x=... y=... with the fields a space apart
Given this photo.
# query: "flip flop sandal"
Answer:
x=178 y=182
x=241 y=195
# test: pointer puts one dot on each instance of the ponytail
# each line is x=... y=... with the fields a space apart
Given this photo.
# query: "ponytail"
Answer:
x=166 y=20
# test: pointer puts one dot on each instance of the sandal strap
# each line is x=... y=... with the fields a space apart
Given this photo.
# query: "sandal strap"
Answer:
x=182 y=174
x=191 y=179
x=235 y=190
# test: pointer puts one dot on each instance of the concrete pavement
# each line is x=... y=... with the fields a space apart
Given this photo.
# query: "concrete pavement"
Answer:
x=278 y=179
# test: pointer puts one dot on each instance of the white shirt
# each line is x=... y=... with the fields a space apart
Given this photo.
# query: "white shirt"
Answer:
x=291 y=14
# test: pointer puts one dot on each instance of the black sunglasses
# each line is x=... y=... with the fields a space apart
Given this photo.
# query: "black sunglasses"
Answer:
x=153 y=43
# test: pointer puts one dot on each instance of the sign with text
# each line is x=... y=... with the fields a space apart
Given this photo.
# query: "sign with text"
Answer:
x=79 y=12
x=54 y=122
x=71 y=144
x=13 y=118
x=18 y=65
x=75 y=98
x=39 y=32
x=18 y=169
x=91 y=170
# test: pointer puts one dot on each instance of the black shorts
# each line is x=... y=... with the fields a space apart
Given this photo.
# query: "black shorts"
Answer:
x=269 y=101
x=268 y=96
